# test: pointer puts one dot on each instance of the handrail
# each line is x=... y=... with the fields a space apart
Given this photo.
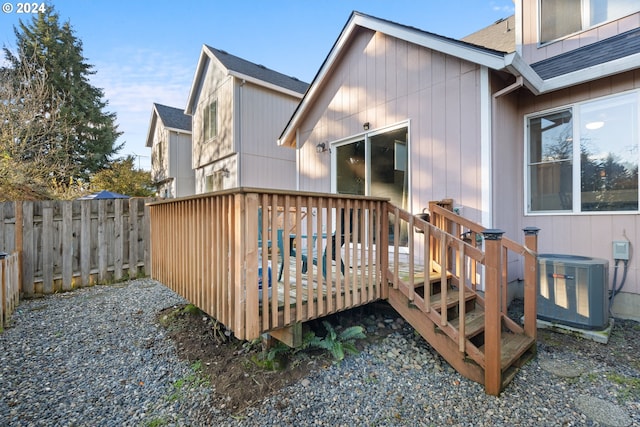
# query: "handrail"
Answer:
x=453 y=252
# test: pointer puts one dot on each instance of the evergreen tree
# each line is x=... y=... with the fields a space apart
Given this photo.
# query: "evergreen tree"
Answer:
x=87 y=133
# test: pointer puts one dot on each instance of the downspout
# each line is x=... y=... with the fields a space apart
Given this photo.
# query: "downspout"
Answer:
x=238 y=116
x=487 y=214
x=297 y=160
x=486 y=106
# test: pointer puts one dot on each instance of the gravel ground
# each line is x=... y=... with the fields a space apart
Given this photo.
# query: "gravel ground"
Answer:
x=96 y=357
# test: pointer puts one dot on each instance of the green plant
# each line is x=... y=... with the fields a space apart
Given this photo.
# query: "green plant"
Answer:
x=630 y=386
x=157 y=422
x=337 y=343
x=194 y=379
x=191 y=309
x=273 y=358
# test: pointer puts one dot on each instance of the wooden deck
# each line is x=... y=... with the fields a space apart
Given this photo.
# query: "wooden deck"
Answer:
x=214 y=249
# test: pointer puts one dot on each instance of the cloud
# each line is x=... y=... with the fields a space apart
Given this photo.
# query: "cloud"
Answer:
x=132 y=80
x=503 y=8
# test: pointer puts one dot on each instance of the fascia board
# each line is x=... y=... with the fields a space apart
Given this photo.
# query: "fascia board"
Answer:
x=290 y=131
x=153 y=122
x=206 y=58
x=176 y=130
x=595 y=72
x=460 y=50
x=268 y=85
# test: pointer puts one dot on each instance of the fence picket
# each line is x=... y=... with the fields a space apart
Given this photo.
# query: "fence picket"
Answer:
x=69 y=244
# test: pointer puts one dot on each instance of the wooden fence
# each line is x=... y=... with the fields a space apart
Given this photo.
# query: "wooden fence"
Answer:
x=9 y=286
x=72 y=244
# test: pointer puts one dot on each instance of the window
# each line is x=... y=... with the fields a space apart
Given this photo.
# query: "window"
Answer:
x=559 y=18
x=376 y=165
x=600 y=172
x=210 y=121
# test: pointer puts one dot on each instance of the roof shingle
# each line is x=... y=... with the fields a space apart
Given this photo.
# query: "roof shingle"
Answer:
x=174 y=118
x=260 y=72
x=616 y=47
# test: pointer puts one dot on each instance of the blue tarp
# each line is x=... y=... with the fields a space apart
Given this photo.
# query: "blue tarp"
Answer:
x=104 y=194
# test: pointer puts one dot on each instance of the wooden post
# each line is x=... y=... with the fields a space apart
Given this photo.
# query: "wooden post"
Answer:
x=492 y=319
x=530 y=281
x=19 y=240
x=383 y=248
x=67 y=245
x=250 y=286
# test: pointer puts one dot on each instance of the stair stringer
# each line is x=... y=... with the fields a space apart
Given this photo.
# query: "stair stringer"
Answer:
x=441 y=342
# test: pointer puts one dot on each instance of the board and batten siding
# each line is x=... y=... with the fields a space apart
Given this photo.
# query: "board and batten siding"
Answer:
x=261 y=114
x=588 y=234
x=385 y=81
x=220 y=88
x=160 y=153
x=180 y=164
x=532 y=52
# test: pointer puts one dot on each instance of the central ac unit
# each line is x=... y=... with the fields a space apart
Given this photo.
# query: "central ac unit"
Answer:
x=573 y=290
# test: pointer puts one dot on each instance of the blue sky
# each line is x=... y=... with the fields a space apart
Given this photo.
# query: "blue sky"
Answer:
x=147 y=51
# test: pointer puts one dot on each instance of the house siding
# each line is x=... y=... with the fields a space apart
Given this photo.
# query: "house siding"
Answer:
x=216 y=86
x=532 y=52
x=180 y=168
x=159 y=153
x=385 y=81
x=578 y=234
x=261 y=116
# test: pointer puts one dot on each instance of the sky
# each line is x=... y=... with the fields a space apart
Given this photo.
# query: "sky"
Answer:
x=147 y=51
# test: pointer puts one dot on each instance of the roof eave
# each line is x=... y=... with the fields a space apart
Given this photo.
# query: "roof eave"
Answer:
x=267 y=85
x=206 y=56
x=152 y=127
x=595 y=72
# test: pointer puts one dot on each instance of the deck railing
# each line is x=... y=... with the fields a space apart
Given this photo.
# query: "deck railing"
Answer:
x=259 y=260
x=452 y=248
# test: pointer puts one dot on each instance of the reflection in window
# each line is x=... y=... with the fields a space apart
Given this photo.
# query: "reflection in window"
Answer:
x=351 y=168
x=559 y=18
x=600 y=173
x=210 y=121
x=551 y=161
x=609 y=154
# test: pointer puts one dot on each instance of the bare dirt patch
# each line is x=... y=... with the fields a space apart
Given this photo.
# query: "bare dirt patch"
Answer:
x=234 y=367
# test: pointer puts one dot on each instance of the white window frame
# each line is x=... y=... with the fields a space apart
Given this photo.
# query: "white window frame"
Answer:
x=576 y=184
x=206 y=121
x=585 y=18
x=365 y=136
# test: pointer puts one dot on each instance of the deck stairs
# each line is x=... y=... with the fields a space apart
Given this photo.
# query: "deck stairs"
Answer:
x=443 y=334
x=451 y=317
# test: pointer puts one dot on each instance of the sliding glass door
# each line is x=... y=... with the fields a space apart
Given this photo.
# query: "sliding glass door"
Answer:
x=375 y=164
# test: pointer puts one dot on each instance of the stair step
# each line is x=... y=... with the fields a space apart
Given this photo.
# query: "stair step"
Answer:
x=418 y=277
x=473 y=322
x=452 y=298
x=512 y=346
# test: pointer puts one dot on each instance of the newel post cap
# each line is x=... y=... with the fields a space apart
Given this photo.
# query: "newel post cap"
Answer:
x=493 y=234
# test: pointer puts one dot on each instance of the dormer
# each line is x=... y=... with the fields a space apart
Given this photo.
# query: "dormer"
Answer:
x=547 y=28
